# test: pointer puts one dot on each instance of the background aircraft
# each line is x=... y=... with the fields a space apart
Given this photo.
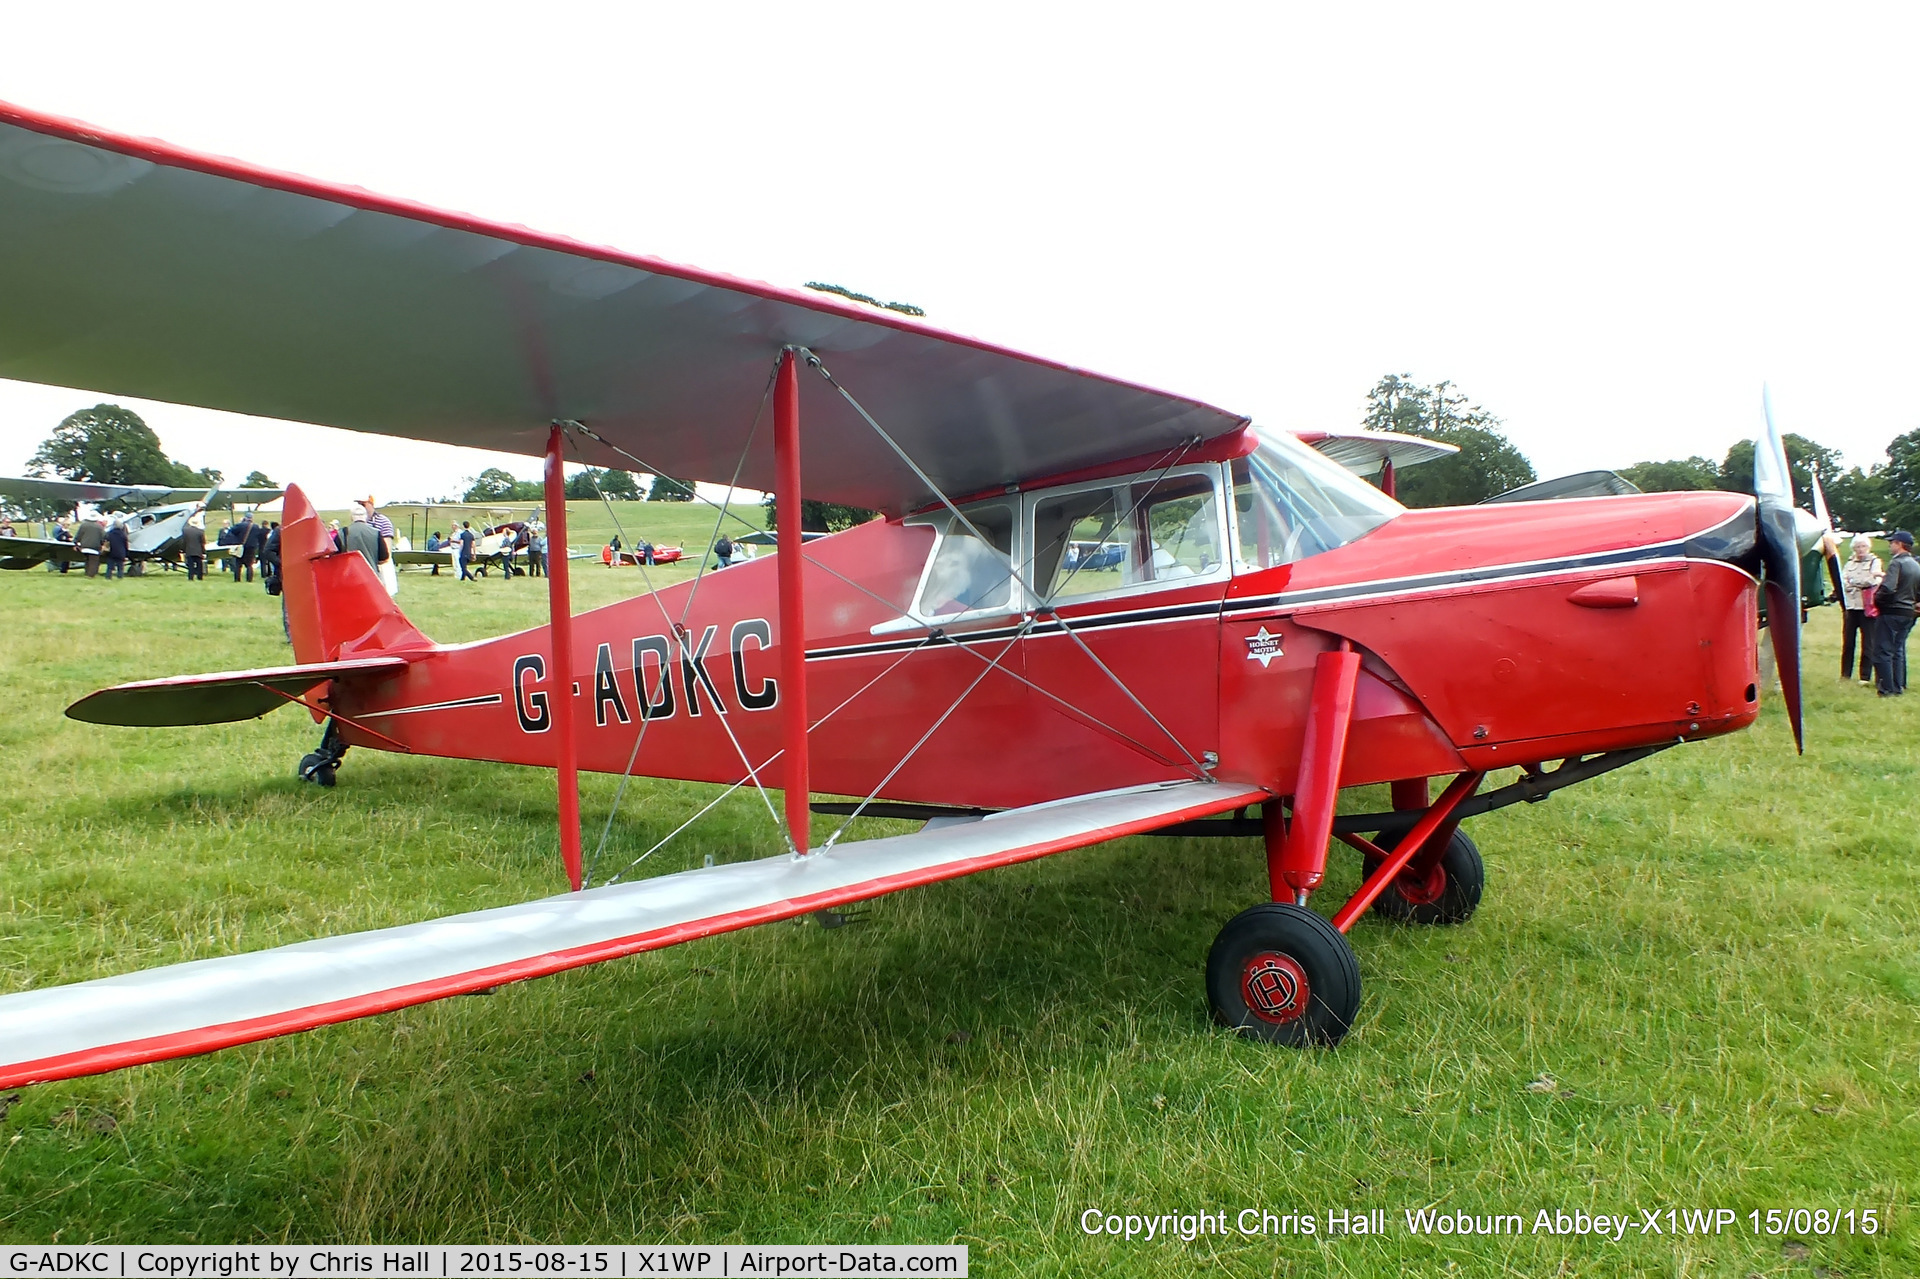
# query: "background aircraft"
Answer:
x=155 y=515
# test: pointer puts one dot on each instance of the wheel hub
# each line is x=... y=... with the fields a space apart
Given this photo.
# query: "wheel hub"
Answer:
x=1275 y=987
x=1419 y=889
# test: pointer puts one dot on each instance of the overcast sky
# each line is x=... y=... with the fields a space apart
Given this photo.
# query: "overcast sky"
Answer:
x=1607 y=224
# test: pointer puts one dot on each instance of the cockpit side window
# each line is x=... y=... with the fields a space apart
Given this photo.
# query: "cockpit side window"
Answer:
x=1096 y=540
x=968 y=573
x=1083 y=543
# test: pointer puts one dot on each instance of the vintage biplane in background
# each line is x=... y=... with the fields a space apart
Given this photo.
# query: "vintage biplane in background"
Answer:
x=155 y=516
x=1266 y=629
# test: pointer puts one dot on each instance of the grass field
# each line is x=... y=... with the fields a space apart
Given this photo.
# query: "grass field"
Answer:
x=1694 y=983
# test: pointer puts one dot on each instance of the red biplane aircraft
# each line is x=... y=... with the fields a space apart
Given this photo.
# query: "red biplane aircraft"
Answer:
x=1242 y=629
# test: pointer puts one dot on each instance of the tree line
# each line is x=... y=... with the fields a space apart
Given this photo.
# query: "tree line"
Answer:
x=108 y=444
x=1883 y=496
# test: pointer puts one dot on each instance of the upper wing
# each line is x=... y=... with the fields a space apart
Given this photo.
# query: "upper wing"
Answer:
x=94 y=1026
x=132 y=266
x=1366 y=452
x=220 y=698
x=82 y=490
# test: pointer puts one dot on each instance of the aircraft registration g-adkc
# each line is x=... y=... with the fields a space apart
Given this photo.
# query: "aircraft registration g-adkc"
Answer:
x=158 y=515
x=1270 y=629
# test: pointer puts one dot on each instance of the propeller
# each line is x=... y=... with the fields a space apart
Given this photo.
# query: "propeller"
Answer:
x=1779 y=561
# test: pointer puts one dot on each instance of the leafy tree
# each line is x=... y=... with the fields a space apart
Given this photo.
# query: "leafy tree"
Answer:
x=821 y=517
x=1487 y=462
x=491 y=485
x=667 y=489
x=1900 y=483
x=1682 y=475
x=1858 y=499
x=1736 y=473
x=589 y=484
x=258 y=480
x=111 y=445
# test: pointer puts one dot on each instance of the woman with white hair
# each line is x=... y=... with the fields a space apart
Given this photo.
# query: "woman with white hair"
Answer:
x=1858 y=577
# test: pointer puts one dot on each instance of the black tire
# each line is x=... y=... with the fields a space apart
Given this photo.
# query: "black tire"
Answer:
x=315 y=768
x=1280 y=973
x=1448 y=896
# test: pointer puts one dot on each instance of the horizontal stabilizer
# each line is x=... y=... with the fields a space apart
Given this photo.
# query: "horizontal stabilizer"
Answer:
x=196 y=1007
x=219 y=698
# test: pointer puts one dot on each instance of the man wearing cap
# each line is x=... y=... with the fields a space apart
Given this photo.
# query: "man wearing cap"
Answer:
x=1895 y=598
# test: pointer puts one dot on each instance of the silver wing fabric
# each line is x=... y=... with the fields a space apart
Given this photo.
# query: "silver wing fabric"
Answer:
x=136 y=268
x=185 y=1009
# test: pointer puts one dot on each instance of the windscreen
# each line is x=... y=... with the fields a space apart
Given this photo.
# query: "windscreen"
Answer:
x=1292 y=501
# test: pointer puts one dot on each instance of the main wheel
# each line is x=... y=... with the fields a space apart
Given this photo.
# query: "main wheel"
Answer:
x=1281 y=973
x=1447 y=894
x=315 y=768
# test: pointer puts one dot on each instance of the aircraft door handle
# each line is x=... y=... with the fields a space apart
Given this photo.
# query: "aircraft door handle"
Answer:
x=1611 y=592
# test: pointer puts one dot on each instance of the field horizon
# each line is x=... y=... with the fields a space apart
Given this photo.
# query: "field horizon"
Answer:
x=1693 y=983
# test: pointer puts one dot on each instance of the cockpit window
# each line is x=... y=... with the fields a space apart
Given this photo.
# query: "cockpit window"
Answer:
x=1094 y=540
x=1292 y=501
x=968 y=573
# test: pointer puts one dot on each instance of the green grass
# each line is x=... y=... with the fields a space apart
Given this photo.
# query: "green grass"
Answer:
x=1714 y=957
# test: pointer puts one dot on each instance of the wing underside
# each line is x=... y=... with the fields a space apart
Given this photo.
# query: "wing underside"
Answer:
x=137 y=268
x=196 y=1007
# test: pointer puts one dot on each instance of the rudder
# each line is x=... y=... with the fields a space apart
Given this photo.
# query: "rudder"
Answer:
x=336 y=606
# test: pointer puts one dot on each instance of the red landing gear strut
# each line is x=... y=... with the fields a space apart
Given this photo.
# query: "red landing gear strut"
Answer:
x=1283 y=973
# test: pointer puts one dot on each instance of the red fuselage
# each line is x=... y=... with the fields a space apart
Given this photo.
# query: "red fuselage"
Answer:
x=1491 y=636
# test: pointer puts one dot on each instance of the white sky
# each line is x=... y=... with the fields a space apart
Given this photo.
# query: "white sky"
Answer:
x=1609 y=225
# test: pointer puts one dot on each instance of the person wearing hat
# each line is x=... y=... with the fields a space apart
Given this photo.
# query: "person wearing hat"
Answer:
x=388 y=571
x=1895 y=599
x=1858 y=577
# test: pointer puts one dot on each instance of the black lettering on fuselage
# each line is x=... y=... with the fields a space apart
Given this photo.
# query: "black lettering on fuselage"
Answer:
x=693 y=672
x=530 y=705
x=650 y=708
x=752 y=628
x=606 y=689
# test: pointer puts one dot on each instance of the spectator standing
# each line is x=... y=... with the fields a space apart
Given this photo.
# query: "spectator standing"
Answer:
x=1858 y=578
x=193 y=544
x=465 y=555
x=61 y=533
x=388 y=570
x=537 y=549
x=252 y=537
x=338 y=537
x=91 y=538
x=117 y=549
x=1895 y=598
x=360 y=536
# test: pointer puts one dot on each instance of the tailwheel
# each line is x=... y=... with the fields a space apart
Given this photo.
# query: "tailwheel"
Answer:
x=1446 y=894
x=1281 y=973
x=316 y=768
x=320 y=765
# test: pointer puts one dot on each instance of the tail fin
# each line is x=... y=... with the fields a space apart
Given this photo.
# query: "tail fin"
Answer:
x=336 y=606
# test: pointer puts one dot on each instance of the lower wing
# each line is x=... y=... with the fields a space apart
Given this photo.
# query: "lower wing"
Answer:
x=179 y=1011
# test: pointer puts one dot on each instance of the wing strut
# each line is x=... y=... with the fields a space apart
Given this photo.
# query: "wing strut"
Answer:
x=560 y=628
x=793 y=622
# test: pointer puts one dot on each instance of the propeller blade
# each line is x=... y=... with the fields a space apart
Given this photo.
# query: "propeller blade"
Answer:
x=1779 y=561
x=1830 y=539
